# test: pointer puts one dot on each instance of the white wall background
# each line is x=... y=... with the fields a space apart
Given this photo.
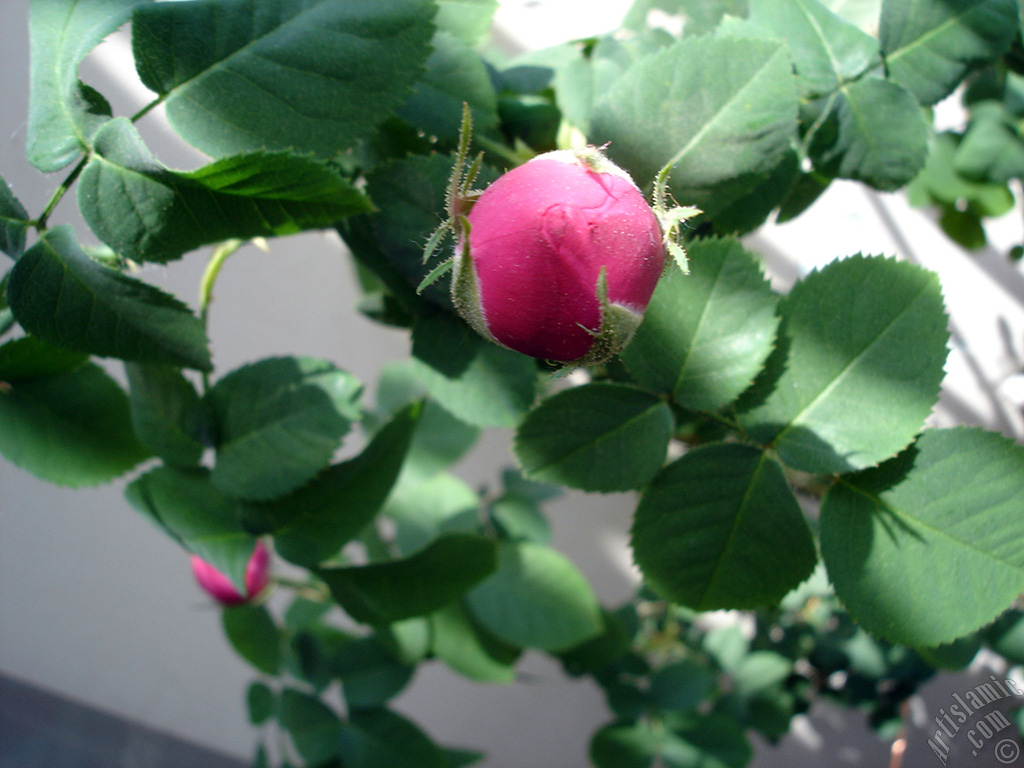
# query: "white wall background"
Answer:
x=98 y=605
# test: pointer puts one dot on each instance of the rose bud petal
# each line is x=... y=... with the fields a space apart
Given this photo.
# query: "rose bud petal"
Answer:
x=219 y=586
x=558 y=258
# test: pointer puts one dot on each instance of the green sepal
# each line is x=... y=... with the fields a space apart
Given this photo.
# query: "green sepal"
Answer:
x=671 y=218
x=465 y=291
x=436 y=274
x=618 y=324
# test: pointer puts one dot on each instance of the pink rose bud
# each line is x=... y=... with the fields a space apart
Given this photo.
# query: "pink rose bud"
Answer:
x=562 y=256
x=220 y=588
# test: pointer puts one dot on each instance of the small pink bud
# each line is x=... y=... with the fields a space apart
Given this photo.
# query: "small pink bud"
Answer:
x=220 y=588
x=529 y=274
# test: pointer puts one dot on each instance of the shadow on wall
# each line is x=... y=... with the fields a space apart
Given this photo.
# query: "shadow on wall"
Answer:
x=40 y=730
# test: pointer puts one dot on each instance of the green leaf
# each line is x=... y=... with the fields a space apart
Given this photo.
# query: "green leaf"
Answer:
x=456 y=75
x=310 y=77
x=529 y=119
x=261 y=703
x=940 y=182
x=314 y=728
x=720 y=528
x=611 y=647
x=468 y=20
x=426 y=508
x=64 y=113
x=280 y=421
x=458 y=758
x=519 y=518
x=370 y=675
x=396 y=297
x=930 y=45
x=381 y=593
x=624 y=746
x=866 y=655
x=863 y=335
x=765 y=193
x=67 y=428
x=440 y=439
x=188 y=506
x=706 y=335
x=718 y=111
x=575 y=89
x=14 y=222
x=728 y=646
x=1006 y=636
x=875 y=133
x=30 y=358
x=761 y=670
x=467 y=649
x=260 y=759
x=381 y=301
x=964 y=228
x=314 y=523
x=954 y=656
x=377 y=737
x=303 y=612
x=719 y=738
x=408 y=640
x=681 y=685
x=943 y=518
x=598 y=437
x=991 y=149
x=6 y=316
x=311 y=650
x=709 y=742
x=146 y=212
x=62 y=296
x=583 y=81
x=410 y=194
x=827 y=51
x=479 y=382
x=804 y=191
x=254 y=636
x=167 y=414
x=530 y=490
x=537 y=598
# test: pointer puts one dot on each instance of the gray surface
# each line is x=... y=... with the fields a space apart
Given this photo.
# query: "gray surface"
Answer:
x=41 y=730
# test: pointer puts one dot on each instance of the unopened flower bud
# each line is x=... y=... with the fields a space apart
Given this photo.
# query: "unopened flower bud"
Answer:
x=219 y=586
x=558 y=258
